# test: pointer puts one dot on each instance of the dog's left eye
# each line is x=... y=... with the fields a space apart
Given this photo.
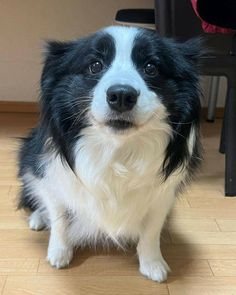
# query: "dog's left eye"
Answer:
x=150 y=69
x=96 y=67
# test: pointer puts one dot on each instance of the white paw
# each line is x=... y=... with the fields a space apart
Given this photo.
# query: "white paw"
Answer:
x=156 y=270
x=59 y=257
x=36 y=221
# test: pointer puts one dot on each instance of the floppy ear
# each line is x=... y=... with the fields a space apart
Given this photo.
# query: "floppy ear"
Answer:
x=192 y=49
x=185 y=60
x=57 y=57
x=56 y=48
x=184 y=57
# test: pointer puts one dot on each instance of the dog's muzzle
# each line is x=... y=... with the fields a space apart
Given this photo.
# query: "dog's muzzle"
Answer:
x=121 y=100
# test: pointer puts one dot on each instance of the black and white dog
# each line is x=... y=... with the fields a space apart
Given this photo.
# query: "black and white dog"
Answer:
x=118 y=137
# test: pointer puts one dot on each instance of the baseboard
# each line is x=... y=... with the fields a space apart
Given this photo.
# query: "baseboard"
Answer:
x=33 y=107
x=19 y=107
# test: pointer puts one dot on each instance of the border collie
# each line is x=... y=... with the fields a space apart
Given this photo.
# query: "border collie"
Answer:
x=117 y=139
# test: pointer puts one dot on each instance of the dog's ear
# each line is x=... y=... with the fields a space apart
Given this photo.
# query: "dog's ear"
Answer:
x=192 y=50
x=57 y=57
x=56 y=48
x=183 y=57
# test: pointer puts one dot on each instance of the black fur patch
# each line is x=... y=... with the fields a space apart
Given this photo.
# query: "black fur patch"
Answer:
x=177 y=84
x=66 y=84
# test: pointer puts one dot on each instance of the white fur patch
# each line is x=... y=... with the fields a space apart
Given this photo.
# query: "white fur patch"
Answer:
x=155 y=270
x=59 y=257
x=38 y=220
x=191 y=140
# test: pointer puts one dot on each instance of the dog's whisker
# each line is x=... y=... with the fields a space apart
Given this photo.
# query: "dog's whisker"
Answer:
x=79 y=117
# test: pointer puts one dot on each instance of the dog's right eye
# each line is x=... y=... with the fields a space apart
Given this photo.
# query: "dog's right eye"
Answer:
x=95 y=67
x=150 y=69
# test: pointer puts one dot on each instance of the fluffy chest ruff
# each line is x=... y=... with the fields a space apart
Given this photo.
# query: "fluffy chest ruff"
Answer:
x=116 y=181
x=121 y=176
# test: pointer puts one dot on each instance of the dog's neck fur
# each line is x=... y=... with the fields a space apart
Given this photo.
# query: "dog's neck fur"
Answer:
x=103 y=158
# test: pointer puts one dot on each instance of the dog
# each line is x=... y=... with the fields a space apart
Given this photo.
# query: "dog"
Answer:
x=117 y=140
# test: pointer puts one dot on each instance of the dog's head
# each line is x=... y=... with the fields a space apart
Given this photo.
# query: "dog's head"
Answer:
x=120 y=80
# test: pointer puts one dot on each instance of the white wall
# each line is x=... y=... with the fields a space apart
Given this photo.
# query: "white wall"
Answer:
x=25 y=23
x=222 y=92
x=205 y=84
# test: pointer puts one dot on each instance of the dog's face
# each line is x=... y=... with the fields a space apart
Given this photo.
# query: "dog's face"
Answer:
x=123 y=98
x=120 y=80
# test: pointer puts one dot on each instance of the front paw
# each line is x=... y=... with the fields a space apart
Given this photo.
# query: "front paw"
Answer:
x=36 y=221
x=59 y=257
x=156 y=270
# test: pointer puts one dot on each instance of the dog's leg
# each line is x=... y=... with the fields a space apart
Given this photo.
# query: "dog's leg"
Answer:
x=60 y=252
x=152 y=264
x=38 y=220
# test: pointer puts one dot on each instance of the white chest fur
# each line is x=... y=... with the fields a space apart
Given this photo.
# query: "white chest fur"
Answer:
x=119 y=178
x=117 y=182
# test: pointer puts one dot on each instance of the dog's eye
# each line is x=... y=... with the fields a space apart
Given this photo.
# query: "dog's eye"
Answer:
x=96 y=67
x=150 y=69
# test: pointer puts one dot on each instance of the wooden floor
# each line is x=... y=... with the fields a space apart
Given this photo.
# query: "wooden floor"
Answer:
x=199 y=241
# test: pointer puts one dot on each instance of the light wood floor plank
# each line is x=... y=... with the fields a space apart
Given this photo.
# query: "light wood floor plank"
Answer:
x=2 y=283
x=190 y=224
x=18 y=266
x=227 y=224
x=189 y=267
x=220 y=238
x=4 y=191
x=199 y=251
x=223 y=268
x=22 y=235
x=23 y=250
x=58 y=285
x=223 y=203
x=195 y=191
x=202 y=286
x=200 y=213
x=13 y=222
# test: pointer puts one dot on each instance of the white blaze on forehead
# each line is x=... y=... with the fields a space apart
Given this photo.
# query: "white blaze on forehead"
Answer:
x=124 y=40
x=122 y=69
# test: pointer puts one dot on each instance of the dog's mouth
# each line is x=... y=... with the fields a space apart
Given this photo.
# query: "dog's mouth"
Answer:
x=119 y=124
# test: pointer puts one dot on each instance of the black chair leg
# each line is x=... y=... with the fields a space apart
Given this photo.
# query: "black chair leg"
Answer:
x=230 y=144
x=222 y=138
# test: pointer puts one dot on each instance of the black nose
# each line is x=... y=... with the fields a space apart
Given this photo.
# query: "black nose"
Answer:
x=121 y=98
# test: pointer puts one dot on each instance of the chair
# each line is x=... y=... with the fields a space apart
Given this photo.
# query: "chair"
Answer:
x=170 y=22
x=142 y=16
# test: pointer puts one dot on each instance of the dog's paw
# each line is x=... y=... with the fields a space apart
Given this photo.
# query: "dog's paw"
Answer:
x=36 y=221
x=59 y=257
x=156 y=270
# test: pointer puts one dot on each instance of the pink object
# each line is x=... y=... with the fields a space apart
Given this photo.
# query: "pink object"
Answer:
x=208 y=28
